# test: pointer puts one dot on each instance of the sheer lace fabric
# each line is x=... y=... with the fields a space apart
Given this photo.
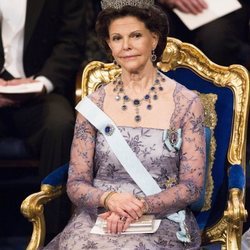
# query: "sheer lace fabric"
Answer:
x=94 y=169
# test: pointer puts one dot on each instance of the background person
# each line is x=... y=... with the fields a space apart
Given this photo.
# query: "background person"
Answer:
x=225 y=40
x=42 y=41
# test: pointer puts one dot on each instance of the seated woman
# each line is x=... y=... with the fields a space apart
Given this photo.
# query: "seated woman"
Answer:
x=160 y=120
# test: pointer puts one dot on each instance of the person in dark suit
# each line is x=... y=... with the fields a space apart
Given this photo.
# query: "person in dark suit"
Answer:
x=225 y=40
x=42 y=41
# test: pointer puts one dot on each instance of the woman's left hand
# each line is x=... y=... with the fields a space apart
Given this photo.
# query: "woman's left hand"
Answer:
x=125 y=204
x=116 y=224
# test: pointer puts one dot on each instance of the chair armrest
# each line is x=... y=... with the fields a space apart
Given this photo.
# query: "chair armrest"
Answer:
x=227 y=230
x=235 y=213
x=235 y=209
x=32 y=207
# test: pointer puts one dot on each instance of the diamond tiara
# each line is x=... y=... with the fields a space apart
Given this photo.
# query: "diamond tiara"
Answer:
x=118 y=4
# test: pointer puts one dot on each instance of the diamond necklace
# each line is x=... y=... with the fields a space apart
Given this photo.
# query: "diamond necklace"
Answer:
x=151 y=95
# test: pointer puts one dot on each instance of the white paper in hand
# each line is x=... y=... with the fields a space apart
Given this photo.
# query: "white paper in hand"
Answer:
x=33 y=87
x=145 y=224
x=216 y=9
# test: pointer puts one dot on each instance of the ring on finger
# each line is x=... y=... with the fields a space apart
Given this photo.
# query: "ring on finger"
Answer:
x=123 y=218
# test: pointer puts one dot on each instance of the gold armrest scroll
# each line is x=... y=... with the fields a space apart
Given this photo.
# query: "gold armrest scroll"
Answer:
x=32 y=208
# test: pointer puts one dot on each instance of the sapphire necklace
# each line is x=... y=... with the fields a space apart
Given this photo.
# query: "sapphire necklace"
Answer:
x=151 y=95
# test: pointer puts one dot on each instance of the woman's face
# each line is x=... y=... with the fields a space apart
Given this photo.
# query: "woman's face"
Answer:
x=131 y=43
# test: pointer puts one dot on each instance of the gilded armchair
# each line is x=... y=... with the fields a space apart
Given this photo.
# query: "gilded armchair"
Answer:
x=225 y=94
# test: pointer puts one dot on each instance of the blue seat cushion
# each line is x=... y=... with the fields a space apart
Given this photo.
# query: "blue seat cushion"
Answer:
x=58 y=177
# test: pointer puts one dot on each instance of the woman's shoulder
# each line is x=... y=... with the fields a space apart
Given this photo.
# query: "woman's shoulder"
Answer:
x=185 y=92
x=182 y=91
x=98 y=96
x=183 y=97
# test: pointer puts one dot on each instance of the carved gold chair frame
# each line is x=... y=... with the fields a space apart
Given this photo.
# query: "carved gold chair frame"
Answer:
x=227 y=231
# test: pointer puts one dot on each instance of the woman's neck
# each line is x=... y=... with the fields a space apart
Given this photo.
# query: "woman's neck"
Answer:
x=137 y=83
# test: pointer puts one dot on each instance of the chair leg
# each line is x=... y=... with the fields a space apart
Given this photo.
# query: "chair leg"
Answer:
x=234 y=236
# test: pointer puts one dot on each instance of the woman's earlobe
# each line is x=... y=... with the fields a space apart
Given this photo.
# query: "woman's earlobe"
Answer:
x=156 y=39
x=108 y=43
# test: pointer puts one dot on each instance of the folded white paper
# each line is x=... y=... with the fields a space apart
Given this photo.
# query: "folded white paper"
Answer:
x=33 y=87
x=216 y=9
x=146 y=224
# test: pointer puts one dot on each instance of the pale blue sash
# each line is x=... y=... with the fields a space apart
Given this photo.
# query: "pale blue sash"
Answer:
x=127 y=157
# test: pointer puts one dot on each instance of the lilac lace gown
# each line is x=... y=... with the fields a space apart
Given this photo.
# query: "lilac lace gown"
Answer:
x=178 y=174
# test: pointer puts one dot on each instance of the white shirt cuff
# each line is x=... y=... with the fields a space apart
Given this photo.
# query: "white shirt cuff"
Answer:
x=46 y=82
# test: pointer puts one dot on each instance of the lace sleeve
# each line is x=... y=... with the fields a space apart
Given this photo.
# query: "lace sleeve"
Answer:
x=80 y=177
x=192 y=166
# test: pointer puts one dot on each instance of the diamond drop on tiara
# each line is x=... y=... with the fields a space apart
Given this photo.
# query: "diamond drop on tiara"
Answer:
x=118 y=4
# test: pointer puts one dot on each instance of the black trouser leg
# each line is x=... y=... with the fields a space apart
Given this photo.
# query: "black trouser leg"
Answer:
x=47 y=126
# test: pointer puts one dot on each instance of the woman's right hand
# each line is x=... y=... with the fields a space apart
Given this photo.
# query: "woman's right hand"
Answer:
x=115 y=224
x=125 y=205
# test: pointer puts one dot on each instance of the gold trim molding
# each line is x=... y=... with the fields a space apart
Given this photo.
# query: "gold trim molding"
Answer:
x=33 y=207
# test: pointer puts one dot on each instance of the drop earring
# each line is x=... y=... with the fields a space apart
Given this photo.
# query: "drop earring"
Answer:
x=153 y=56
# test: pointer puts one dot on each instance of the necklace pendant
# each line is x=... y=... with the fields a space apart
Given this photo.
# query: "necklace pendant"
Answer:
x=124 y=107
x=136 y=102
x=155 y=97
x=137 y=118
x=149 y=107
x=126 y=98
